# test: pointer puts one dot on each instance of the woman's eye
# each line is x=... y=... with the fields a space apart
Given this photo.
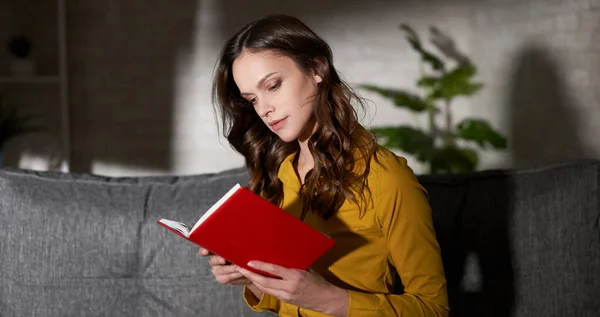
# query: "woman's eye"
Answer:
x=275 y=86
x=253 y=100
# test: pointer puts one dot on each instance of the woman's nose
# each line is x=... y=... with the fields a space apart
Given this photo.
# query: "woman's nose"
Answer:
x=264 y=108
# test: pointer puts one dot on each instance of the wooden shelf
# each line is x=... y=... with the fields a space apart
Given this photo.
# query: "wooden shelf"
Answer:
x=58 y=80
x=29 y=80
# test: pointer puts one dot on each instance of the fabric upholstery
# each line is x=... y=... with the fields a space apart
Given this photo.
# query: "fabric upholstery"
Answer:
x=85 y=245
x=518 y=243
x=533 y=235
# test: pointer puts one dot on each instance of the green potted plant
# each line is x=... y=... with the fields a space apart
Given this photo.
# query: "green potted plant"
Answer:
x=13 y=124
x=448 y=147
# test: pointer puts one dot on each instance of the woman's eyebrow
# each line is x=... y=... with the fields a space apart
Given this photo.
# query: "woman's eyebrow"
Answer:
x=260 y=82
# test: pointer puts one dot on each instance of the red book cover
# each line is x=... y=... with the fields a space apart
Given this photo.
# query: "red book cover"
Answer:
x=242 y=226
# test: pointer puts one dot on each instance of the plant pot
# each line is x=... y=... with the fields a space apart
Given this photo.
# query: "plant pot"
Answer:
x=22 y=67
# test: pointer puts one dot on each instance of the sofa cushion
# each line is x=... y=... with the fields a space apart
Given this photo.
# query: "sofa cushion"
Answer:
x=520 y=243
x=514 y=243
x=87 y=245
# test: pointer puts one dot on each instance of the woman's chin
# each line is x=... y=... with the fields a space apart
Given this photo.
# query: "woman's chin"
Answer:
x=286 y=137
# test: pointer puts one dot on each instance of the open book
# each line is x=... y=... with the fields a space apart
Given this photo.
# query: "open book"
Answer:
x=184 y=229
x=242 y=226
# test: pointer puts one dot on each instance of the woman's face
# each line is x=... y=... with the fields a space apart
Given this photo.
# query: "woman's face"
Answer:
x=282 y=95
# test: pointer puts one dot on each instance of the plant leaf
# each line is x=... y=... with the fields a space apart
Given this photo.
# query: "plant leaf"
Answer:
x=411 y=36
x=427 y=57
x=454 y=160
x=457 y=83
x=400 y=98
x=435 y=62
x=479 y=131
x=406 y=139
x=428 y=82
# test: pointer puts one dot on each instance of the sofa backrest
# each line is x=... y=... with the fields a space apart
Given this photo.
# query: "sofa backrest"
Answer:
x=520 y=243
x=86 y=245
x=514 y=243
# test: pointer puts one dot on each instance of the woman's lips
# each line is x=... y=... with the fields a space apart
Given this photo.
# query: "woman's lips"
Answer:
x=278 y=124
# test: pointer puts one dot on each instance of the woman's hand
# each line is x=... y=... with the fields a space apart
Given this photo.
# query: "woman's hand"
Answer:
x=224 y=272
x=304 y=289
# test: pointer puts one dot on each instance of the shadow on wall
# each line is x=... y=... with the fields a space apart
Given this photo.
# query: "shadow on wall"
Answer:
x=123 y=72
x=233 y=14
x=543 y=116
x=236 y=13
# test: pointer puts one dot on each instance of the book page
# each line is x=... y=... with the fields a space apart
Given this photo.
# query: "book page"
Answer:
x=180 y=227
x=216 y=206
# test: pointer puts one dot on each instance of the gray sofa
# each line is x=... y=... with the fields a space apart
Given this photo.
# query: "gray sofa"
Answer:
x=514 y=243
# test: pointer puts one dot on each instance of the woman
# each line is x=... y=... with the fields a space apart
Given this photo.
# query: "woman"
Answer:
x=285 y=109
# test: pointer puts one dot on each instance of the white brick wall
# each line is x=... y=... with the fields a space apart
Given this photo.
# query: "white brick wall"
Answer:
x=501 y=36
x=111 y=101
x=141 y=73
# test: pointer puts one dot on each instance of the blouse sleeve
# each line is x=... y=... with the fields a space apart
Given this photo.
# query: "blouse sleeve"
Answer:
x=266 y=303
x=404 y=214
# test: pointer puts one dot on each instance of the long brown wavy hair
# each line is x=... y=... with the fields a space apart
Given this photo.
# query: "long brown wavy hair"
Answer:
x=342 y=149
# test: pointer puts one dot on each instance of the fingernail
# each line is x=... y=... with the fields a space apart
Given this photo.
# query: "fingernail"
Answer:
x=251 y=264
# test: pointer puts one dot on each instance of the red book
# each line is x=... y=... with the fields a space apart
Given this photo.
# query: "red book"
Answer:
x=242 y=226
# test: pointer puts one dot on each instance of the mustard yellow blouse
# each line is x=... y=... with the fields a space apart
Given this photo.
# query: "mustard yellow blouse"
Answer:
x=395 y=234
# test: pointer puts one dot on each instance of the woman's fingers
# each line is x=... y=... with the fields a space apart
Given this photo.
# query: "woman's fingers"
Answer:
x=233 y=278
x=204 y=252
x=224 y=269
x=224 y=272
x=216 y=260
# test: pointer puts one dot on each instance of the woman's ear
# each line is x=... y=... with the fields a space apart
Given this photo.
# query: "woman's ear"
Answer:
x=318 y=79
x=319 y=68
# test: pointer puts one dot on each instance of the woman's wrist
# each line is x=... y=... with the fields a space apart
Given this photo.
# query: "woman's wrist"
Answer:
x=255 y=291
x=337 y=302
